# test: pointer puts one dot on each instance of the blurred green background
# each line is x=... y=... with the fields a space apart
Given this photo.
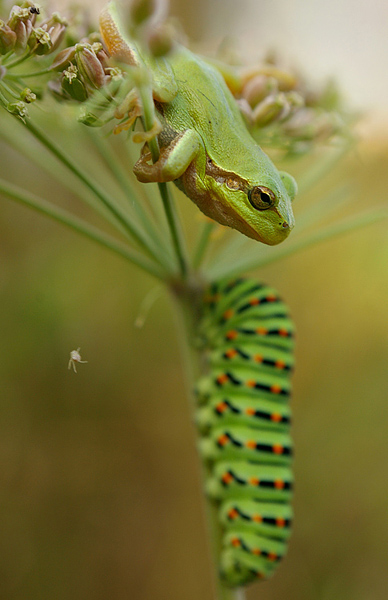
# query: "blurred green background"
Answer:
x=99 y=486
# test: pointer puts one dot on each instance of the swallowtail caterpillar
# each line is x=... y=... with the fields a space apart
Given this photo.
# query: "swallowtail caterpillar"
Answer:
x=244 y=422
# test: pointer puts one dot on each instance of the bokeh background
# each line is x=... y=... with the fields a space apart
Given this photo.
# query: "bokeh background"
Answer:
x=99 y=489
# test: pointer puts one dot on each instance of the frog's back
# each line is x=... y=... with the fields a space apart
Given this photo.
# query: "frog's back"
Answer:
x=205 y=104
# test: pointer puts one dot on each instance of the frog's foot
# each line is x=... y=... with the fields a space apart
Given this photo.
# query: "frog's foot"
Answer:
x=173 y=161
x=131 y=108
x=141 y=137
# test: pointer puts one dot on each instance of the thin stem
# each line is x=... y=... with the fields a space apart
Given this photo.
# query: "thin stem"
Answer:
x=10 y=91
x=203 y=243
x=5 y=57
x=105 y=150
x=326 y=233
x=175 y=230
x=132 y=229
x=325 y=205
x=19 y=60
x=25 y=75
x=3 y=100
x=80 y=226
x=145 y=307
x=172 y=219
x=323 y=167
x=187 y=321
x=46 y=161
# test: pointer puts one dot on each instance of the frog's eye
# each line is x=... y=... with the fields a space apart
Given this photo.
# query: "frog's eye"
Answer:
x=261 y=197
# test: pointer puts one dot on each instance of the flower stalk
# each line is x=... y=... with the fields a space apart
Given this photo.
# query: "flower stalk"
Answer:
x=187 y=298
x=131 y=228
x=80 y=226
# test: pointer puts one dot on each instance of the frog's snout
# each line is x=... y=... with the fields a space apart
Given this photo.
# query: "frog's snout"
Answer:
x=287 y=221
x=287 y=225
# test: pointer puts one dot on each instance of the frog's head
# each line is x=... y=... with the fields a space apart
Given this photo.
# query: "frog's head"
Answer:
x=259 y=206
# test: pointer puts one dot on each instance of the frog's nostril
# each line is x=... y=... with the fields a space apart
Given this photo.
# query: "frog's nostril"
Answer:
x=285 y=225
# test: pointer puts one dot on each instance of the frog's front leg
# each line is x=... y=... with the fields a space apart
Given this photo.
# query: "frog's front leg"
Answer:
x=173 y=161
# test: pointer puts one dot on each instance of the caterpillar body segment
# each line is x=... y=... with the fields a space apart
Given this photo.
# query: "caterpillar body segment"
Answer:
x=272 y=520
x=238 y=409
x=244 y=420
x=272 y=360
x=252 y=383
x=239 y=479
x=251 y=444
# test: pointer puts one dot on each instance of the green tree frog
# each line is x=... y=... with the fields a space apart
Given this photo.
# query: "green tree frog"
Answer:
x=205 y=147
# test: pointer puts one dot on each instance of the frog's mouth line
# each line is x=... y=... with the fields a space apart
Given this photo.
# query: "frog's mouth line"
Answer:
x=228 y=216
x=234 y=220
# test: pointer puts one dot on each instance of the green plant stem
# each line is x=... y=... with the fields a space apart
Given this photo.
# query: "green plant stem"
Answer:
x=171 y=216
x=10 y=91
x=326 y=233
x=203 y=243
x=80 y=226
x=19 y=60
x=3 y=100
x=175 y=230
x=317 y=172
x=187 y=297
x=15 y=137
x=5 y=57
x=131 y=228
x=25 y=75
x=324 y=206
x=106 y=152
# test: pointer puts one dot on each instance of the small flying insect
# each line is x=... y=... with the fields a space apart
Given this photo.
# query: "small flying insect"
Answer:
x=34 y=10
x=75 y=357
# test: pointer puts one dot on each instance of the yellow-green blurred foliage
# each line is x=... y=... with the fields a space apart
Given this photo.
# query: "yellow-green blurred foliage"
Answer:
x=98 y=474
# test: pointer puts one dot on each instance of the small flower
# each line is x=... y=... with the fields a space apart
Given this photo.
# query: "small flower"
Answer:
x=84 y=62
x=40 y=41
x=71 y=73
x=90 y=119
x=7 y=38
x=90 y=68
x=258 y=88
x=63 y=58
x=72 y=85
x=56 y=28
x=27 y=96
x=270 y=109
x=21 y=22
x=19 y=109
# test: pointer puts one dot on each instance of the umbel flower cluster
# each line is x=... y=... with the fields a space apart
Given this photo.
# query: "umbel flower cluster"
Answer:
x=21 y=33
x=279 y=108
